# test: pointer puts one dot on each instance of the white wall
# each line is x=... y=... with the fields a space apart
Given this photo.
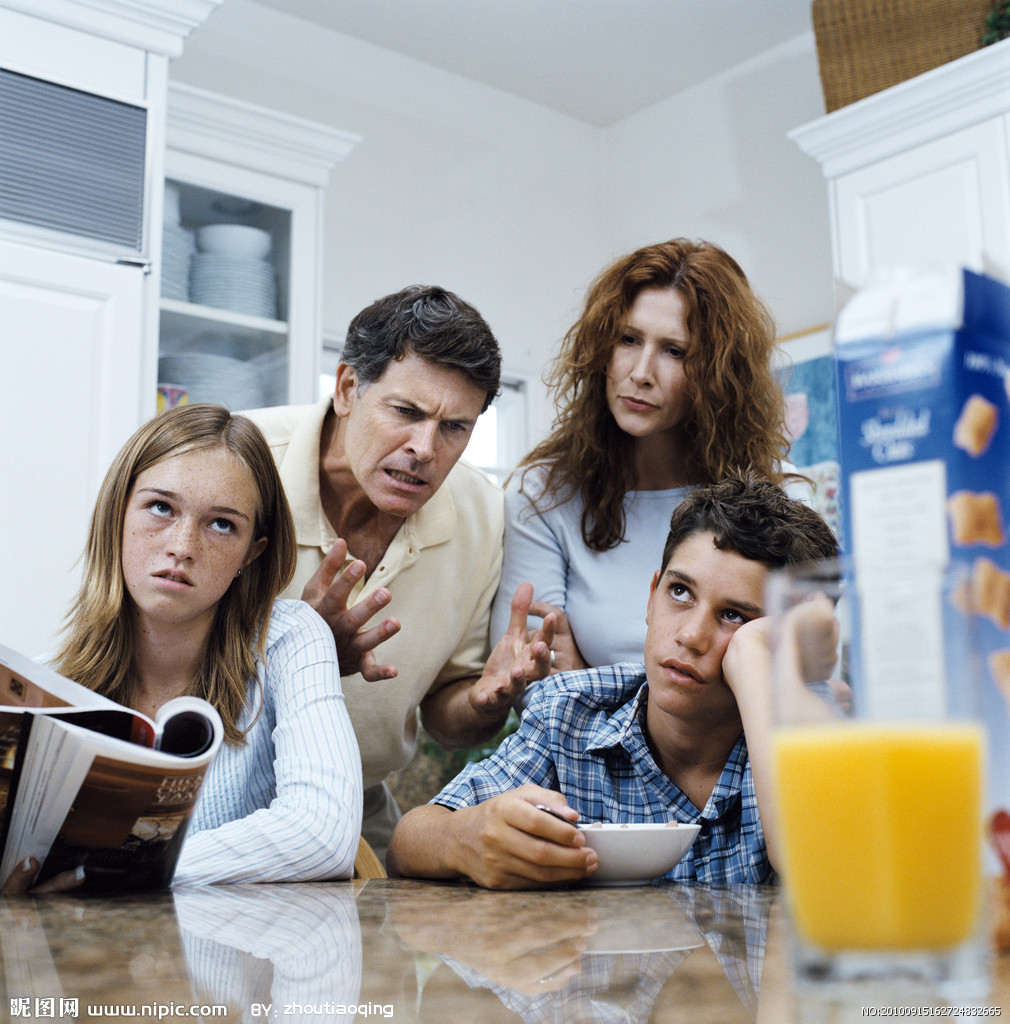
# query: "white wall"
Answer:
x=516 y=207
x=453 y=183
x=714 y=162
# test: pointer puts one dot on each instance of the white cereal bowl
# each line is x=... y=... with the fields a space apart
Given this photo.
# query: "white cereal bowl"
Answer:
x=635 y=854
x=234 y=240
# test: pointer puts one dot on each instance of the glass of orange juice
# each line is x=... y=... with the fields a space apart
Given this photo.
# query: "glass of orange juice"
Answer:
x=878 y=769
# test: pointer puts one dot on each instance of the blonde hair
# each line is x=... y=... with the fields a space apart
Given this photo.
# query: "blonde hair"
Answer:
x=99 y=647
x=737 y=417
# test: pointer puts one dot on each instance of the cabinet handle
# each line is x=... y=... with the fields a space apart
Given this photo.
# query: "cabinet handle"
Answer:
x=135 y=261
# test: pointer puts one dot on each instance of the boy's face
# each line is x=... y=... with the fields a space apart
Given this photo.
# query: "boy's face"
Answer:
x=696 y=604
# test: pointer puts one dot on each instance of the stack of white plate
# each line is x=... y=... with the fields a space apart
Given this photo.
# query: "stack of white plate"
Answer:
x=232 y=270
x=234 y=383
x=237 y=283
x=273 y=367
x=176 y=249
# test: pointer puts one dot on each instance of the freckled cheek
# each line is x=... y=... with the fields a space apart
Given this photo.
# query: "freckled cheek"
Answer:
x=135 y=541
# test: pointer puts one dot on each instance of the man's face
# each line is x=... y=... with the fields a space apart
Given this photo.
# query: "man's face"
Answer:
x=403 y=432
x=696 y=604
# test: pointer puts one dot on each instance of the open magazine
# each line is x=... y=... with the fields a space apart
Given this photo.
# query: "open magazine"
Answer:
x=86 y=782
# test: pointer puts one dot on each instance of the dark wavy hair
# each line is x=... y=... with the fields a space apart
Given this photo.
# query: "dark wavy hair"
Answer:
x=434 y=324
x=737 y=416
x=756 y=519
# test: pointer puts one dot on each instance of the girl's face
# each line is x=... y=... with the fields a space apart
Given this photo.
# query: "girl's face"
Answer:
x=188 y=529
x=646 y=383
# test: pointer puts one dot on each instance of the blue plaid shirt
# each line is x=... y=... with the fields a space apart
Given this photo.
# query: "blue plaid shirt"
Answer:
x=582 y=736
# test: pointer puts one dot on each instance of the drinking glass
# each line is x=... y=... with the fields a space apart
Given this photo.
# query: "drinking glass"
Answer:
x=878 y=770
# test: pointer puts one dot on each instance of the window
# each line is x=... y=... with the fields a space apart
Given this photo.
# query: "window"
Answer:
x=501 y=437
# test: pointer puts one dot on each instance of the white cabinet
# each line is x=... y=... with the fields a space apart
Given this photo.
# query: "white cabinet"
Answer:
x=919 y=174
x=68 y=399
x=82 y=322
x=78 y=312
x=243 y=328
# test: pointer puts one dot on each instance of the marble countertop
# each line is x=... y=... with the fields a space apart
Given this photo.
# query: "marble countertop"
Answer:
x=414 y=952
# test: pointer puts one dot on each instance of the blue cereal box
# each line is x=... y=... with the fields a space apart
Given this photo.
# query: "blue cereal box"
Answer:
x=923 y=372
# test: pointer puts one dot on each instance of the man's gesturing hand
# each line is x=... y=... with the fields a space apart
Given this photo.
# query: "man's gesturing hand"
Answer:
x=518 y=659
x=328 y=591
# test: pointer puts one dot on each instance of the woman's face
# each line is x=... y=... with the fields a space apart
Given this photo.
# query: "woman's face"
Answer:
x=188 y=529
x=646 y=383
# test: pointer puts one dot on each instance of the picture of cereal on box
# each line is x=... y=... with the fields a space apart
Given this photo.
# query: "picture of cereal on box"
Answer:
x=976 y=518
x=976 y=425
x=986 y=592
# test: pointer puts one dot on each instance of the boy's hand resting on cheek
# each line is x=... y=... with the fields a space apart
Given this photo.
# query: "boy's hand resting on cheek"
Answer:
x=809 y=638
x=747 y=661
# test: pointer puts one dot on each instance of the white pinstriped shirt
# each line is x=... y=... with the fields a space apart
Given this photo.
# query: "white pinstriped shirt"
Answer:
x=286 y=806
x=273 y=944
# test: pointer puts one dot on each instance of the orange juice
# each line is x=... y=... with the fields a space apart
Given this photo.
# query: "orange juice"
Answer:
x=880 y=832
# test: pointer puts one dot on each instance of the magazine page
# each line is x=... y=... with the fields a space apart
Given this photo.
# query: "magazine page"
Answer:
x=187 y=727
x=10 y=730
x=114 y=808
x=29 y=684
x=182 y=726
x=25 y=683
x=48 y=773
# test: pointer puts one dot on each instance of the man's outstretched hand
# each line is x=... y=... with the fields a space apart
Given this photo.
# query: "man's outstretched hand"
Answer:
x=518 y=659
x=328 y=591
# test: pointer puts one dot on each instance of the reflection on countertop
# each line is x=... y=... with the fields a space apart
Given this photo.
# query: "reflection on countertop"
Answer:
x=586 y=955
x=414 y=952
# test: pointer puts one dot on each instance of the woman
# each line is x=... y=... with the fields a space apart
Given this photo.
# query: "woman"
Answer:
x=663 y=383
x=190 y=542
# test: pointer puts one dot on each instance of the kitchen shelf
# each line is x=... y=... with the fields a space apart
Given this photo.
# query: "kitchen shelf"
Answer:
x=184 y=323
x=234 y=163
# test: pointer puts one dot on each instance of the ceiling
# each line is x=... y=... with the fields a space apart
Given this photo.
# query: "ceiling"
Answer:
x=596 y=60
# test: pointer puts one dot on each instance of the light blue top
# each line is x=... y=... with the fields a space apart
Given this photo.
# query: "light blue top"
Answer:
x=287 y=805
x=603 y=593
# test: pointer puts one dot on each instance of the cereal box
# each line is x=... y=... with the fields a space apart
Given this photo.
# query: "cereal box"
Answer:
x=923 y=371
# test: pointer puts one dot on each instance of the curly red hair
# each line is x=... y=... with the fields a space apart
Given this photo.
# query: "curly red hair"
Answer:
x=737 y=417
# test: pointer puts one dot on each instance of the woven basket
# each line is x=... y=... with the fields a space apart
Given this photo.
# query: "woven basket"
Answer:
x=864 y=46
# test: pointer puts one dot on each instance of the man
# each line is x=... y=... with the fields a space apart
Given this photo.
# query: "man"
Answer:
x=684 y=737
x=388 y=518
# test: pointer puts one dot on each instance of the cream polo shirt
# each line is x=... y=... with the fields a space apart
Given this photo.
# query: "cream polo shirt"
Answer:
x=442 y=569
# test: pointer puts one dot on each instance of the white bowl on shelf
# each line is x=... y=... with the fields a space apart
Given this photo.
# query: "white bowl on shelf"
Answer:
x=234 y=240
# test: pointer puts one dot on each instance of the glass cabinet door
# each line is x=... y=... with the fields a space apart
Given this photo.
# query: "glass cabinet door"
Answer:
x=241 y=272
x=225 y=288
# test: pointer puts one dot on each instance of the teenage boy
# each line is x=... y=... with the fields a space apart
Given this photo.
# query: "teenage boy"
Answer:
x=684 y=736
